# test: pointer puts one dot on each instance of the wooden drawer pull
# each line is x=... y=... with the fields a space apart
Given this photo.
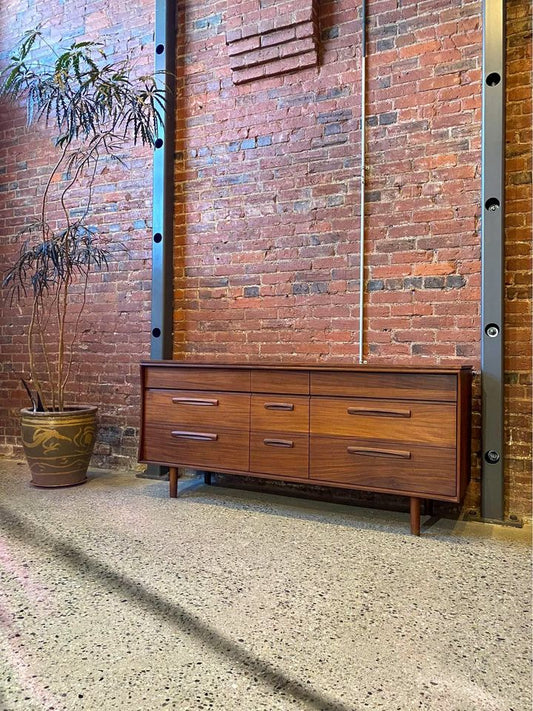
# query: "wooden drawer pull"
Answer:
x=370 y=452
x=278 y=443
x=194 y=401
x=378 y=413
x=279 y=406
x=197 y=436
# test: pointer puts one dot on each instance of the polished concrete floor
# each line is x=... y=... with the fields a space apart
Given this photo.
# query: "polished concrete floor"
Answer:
x=113 y=596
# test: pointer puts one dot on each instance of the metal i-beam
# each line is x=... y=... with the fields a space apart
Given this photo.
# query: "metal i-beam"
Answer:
x=492 y=260
x=163 y=186
x=163 y=196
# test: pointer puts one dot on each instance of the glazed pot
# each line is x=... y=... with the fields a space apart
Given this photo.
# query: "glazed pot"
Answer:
x=58 y=445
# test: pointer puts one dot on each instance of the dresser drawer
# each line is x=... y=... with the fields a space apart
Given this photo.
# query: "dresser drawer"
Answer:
x=280 y=381
x=272 y=453
x=402 y=386
x=209 y=449
x=401 y=421
x=193 y=408
x=282 y=413
x=386 y=466
x=197 y=378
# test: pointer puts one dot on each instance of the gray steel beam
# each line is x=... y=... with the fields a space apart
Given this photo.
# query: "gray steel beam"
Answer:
x=163 y=197
x=492 y=260
x=163 y=186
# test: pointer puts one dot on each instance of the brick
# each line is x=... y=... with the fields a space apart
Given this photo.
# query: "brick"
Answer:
x=267 y=198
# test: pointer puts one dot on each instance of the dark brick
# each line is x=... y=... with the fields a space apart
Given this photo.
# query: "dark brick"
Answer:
x=375 y=285
x=385 y=44
x=413 y=282
x=394 y=284
x=319 y=287
x=388 y=118
x=455 y=281
x=300 y=288
x=332 y=128
x=333 y=116
x=434 y=282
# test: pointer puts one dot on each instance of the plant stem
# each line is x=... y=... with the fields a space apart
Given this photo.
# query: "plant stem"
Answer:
x=33 y=370
x=41 y=327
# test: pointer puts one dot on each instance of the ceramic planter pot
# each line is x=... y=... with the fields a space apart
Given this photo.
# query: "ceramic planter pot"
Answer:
x=58 y=445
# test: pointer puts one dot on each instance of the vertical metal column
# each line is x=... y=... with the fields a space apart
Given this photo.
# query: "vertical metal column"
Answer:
x=492 y=259
x=163 y=197
x=163 y=186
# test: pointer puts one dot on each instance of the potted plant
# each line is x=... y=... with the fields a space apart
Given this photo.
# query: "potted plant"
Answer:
x=94 y=109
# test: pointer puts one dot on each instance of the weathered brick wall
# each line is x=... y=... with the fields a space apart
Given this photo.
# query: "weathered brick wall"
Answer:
x=116 y=327
x=267 y=200
x=519 y=207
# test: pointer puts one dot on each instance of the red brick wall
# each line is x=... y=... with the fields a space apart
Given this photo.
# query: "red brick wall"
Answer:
x=267 y=206
x=268 y=190
x=115 y=332
x=267 y=198
x=519 y=208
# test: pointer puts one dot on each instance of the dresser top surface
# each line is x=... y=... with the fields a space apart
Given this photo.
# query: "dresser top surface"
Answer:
x=295 y=367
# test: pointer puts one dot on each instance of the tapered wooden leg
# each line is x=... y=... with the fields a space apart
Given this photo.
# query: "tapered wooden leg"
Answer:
x=207 y=478
x=173 y=482
x=414 y=510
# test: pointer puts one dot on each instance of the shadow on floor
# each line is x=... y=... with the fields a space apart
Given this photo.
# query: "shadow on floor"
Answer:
x=157 y=605
x=289 y=504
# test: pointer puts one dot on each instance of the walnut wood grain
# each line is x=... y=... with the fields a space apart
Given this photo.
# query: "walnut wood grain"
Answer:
x=464 y=434
x=427 y=471
x=185 y=408
x=229 y=450
x=270 y=458
x=404 y=386
x=265 y=417
x=375 y=428
x=280 y=381
x=414 y=515
x=427 y=423
x=197 y=378
x=173 y=482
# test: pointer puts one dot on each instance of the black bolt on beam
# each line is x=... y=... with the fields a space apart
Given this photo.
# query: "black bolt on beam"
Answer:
x=492 y=260
x=163 y=185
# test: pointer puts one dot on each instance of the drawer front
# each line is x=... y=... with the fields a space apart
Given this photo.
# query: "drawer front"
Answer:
x=279 y=453
x=406 y=386
x=401 y=421
x=195 y=378
x=281 y=413
x=280 y=381
x=384 y=466
x=193 y=408
x=209 y=448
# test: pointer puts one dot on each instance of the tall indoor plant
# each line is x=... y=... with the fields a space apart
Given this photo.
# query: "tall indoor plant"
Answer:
x=94 y=109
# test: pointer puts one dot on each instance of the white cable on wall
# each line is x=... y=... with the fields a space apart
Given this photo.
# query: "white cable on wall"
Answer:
x=362 y=182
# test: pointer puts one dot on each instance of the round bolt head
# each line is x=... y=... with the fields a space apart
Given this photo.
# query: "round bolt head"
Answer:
x=492 y=456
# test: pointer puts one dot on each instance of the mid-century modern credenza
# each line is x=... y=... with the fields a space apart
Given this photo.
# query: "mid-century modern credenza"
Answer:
x=375 y=428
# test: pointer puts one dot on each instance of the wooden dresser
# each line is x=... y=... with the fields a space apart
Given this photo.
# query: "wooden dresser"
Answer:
x=376 y=428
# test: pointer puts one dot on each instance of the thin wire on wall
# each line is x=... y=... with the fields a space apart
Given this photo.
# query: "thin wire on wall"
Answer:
x=362 y=181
